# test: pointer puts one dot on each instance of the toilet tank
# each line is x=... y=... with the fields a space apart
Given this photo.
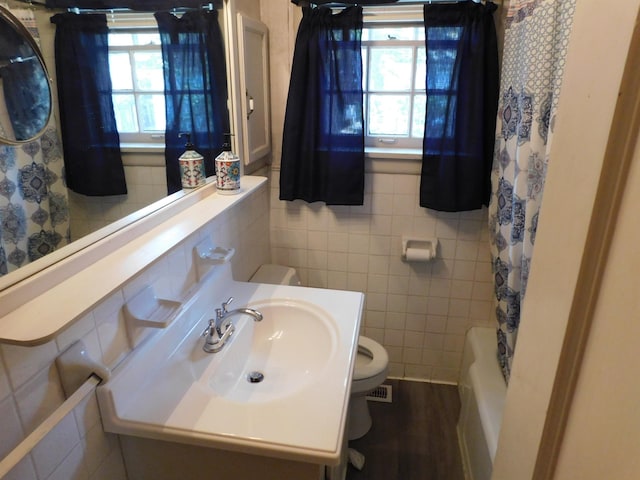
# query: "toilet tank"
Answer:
x=277 y=275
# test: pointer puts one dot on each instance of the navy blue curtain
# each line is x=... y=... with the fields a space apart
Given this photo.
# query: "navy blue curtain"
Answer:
x=90 y=140
x=323 y=140
x=195 y=82
x=305 y=3
x=462 y=101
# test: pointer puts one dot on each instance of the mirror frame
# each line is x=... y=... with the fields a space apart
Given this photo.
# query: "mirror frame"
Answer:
x=19 y=27
x=72 y=252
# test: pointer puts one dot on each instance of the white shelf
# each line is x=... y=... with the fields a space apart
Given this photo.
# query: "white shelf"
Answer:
x=37 y=319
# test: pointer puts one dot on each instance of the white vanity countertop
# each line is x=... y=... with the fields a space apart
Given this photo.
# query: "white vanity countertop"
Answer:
x=166 y=390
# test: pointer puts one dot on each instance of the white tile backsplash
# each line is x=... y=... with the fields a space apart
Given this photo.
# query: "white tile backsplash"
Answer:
x=23 y=471
x=112 y=468
x=145 y=185
x=5 y=388
x=72 y=467
x=12 y=432
x=39 y=397
x=24 y=362
x=113 y=339
x=79 y=329
x=87 y=415
x=98 y=445
x=55 y=446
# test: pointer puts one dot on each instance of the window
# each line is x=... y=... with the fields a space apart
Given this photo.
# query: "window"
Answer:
x=394 y=71
x=135 y=62
x=393 y=58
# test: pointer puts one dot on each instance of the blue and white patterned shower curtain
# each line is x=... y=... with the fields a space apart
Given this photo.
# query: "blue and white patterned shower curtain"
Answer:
x=34 y=207
x=535 y=47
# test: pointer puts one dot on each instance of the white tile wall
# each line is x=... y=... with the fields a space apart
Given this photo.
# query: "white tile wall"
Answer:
x=145 y=185
x=30 y=388
x=418 y=311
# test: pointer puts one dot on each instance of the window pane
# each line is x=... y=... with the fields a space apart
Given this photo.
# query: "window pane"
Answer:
x=441 y=66
x=419 y=109
x=120 y=69
x=151 y=113
x=437 y=110
x=441 y=107
x=395 y=92
x=389 y=115
x=365 y=113
x=146 y=39
x=365 y=68
x=124 y=107
x=148 y=71
x=421 y=68
x=120 y=39
x=393 y=33
x=390 y=69
x=443 y=49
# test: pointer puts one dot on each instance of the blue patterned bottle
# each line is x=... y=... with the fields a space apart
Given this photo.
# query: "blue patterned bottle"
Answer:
x=227 y=169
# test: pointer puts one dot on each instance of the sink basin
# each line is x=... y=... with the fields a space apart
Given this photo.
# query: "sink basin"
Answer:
x=279 y=388
x=273 y=358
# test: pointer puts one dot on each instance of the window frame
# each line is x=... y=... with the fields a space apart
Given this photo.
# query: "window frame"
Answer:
x=392 y=141
x=136 y=22
x=381 y=17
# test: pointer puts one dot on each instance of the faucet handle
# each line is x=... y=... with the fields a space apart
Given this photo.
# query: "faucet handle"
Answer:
x=210 y=328
x=226 y=304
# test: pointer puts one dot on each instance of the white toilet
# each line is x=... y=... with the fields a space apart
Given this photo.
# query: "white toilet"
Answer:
x=370 y=371
x=372 y=361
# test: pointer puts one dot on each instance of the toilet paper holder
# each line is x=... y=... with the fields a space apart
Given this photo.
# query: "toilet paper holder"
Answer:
x=419 y=249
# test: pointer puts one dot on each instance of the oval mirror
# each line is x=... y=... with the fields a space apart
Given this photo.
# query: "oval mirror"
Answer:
x=25 y=93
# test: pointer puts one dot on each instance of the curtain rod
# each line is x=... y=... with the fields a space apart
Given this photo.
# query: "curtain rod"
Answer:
x=308 y=3
x=32 y=3
x=208 y=7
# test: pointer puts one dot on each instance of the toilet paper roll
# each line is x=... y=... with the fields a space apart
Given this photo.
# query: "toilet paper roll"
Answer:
x=418 y=255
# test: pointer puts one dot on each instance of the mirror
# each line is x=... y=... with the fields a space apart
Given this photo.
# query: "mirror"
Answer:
x=90 y=218
x=25 y=96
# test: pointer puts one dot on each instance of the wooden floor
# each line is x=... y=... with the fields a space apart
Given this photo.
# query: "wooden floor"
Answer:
x=414 y=437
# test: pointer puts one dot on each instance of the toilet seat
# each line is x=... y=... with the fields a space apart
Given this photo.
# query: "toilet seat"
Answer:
x=372 y=363
x=372 y=359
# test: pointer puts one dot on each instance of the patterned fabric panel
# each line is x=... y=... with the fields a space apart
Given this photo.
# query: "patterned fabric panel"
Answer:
x=536 y=42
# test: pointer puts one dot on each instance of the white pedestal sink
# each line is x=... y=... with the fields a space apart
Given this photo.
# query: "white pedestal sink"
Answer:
x=279 y=356
x=170 y=391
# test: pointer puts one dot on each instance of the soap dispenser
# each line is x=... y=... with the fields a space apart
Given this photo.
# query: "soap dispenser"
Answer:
x=227 y=169
x=191 y=165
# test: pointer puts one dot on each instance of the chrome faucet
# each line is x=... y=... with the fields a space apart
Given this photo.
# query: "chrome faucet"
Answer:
x=220 y=329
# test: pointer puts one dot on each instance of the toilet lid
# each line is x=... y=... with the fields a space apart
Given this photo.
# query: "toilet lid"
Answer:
x=372 y=359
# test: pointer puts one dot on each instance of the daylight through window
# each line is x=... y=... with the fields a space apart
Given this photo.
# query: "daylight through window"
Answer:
x=135 y=62
x=393 y=58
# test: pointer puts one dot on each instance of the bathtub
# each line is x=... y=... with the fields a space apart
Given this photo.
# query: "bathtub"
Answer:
x=482 y=394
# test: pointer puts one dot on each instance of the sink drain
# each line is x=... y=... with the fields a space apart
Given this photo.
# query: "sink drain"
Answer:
x=255 y=377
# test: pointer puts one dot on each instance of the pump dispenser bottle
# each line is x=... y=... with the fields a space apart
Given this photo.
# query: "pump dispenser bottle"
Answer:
x=191 y=165
x=227 y=169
